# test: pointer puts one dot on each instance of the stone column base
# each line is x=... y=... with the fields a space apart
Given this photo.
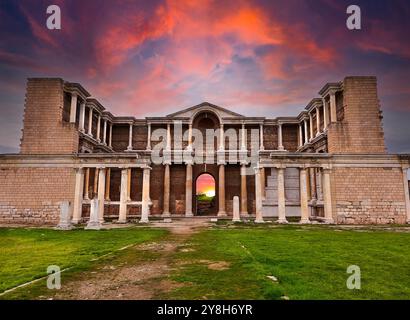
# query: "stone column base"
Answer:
x=283 y=221
x=305 y=221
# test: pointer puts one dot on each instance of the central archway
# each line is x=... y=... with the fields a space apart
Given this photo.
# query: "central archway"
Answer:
x=205 y=197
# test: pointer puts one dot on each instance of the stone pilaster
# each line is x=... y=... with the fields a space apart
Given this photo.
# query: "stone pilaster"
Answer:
x=90 y=122
x=262 y=147
x=78 y=195
x=280 y=140
x=281 y=196
x=73 y=107
x=110 y=137
x=327 y=196
x=406 y=194
x=305 y=125
x=258 y=197
x=311 y=126
x=149 y=137
x=300 y=144
x=304 y=208
x=222 y=209
x=104 y=140
x=166 y=212
x=129 y=148
x=325 y=114
x=82 y=117
x=123 y=196
x=101 y=194
x=129 y=181
x=263 y=183
x=244 y=192
x=145 y=209
x=317 y=121
x=98 y=138
x=107 y=184
x=333 y=114
x=188 y=190
x=87 y=184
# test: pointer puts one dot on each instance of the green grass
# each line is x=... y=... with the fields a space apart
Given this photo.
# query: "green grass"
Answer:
x=25 y=253
x=309 y=262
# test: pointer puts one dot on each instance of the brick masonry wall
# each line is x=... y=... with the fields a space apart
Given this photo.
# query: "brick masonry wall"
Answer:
x=368 y=195
x=32 y=195
x=44 y=131
x=361 y=130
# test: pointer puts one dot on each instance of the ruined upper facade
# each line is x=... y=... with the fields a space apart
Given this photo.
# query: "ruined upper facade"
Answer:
x=329 y=163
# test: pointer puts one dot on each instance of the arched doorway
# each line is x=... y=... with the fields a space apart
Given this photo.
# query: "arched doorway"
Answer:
x=205 y=197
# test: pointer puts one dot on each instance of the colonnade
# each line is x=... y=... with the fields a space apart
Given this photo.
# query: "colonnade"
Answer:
x=101 y=190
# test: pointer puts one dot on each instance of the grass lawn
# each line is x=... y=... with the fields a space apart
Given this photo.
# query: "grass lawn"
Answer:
x=25 y=253
x=309 y=262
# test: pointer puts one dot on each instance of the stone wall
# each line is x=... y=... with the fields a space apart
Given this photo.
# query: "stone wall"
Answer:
x=44 y=130
x=32 y=195
x=359 y=129
x=368 y=195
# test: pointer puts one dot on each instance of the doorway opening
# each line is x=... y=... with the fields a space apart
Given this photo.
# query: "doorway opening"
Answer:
x=205 y=195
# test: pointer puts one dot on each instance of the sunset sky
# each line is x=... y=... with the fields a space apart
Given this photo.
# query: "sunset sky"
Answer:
x=150 y=58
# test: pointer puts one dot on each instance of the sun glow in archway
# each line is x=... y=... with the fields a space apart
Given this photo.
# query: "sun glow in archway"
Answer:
x=205 y=184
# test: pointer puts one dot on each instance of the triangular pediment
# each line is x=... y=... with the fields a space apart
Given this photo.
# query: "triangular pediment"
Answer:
x=190 y=112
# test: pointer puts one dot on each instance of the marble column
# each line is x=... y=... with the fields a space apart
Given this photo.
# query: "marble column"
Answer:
x=101 y=194
x=98 y=128
x=258 y=197
x=122 y=218
x=311 y=126
x=280 y=142
x=104 y=140
x=317 y=121
x=82 y=117
x=73 y=108
x=333 y=114
x=325 y=114
x=145 y=210
x=244 y=192
x=281 y=196
x=107 y=184
x=327 y=196
x=78 y=195
x=222 y=209
x=129 y=148
x=188 y=190
x=87 y=184
x=406 y=194
x=90 y=122
x=305 y=125
x=165 y=211
x=262 y=147
x=304 y=208
x=110 y=137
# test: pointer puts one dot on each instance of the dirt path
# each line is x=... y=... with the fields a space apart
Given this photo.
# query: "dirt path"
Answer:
x=132 y=278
